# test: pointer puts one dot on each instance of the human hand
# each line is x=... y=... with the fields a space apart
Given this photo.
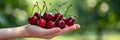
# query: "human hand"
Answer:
x=36 y=31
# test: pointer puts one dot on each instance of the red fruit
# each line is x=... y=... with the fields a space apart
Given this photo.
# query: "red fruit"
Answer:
x=50 y=24
x=48 y=17
x=64 y=18
x=70 y=21
x=59 y=16
x=33 y=20
x=41 y=23
x=60 y=23
x=37 y=14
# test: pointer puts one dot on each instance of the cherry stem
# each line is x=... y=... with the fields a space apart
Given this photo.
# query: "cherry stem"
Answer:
x=39 y=8
x=50 y=5
x=32 y=10
x=43 y=8
x=63 y=4
x=67 y=10
x=62 y=9
x=60 y=6
x=57 y=18
x=46 y=6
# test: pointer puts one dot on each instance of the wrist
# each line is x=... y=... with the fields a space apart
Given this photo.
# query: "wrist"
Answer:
x=10 y=33
x=23 y=32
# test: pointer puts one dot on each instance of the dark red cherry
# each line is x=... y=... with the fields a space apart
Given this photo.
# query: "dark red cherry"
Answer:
x=60 y=23
x=37 y=14
x=41 y=23
x=48 y=17
x=64 y=18
x=70 y=21
x=33 y=20
x=50 y=24
x=58 y=15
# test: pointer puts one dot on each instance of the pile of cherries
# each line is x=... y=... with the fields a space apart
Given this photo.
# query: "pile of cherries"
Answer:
x=49 y=20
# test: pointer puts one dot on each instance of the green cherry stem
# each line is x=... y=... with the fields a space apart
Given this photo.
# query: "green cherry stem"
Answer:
x=57 y=18
x=45 y=6
x=67 y=10
x=62 y=8
x=38 y=7
x=32 y=10
x=63 y=4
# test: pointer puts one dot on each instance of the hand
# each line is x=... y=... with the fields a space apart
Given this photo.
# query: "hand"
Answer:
x=36 y=31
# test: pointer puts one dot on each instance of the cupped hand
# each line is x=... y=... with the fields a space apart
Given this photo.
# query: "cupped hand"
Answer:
x=36 y=31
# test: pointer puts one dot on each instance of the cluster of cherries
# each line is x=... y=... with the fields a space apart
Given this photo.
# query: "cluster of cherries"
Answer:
x=49 y=20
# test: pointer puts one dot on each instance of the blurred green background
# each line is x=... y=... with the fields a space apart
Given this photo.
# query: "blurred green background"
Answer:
x=99 y=19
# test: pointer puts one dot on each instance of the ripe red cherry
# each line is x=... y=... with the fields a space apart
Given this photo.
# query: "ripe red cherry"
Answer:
x=70 y=21
x=48 y=16
x=50 y=24
x=60 y=23
x=33 y=20
x=41 y=23
x=59 y=16
x=37 y=14
x=64 y=18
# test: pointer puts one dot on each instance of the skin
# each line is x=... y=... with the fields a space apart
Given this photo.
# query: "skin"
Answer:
x=34 y=31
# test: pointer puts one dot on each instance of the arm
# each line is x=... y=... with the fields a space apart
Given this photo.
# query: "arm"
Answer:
x=34 y=31
x=17 y=32
x=26 y=31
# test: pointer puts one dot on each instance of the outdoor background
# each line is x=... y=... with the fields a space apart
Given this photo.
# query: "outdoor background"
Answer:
x=99 y=19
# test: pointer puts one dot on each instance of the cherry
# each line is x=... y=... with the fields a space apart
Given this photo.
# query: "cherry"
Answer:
x=33 y=20
x=41 y=23
x=50 y=24
x=64 y=18
x=60 y=23
x=58 y=15
x=48 y=16
x=48 y=20
x=37 y=14
x=70 y=21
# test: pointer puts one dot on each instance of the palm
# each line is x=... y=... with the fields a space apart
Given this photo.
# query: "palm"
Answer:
x=36 y=31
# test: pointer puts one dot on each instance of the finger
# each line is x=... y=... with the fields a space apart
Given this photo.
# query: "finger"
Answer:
x=49 y=36
x=77 y=26
x=42 y=31
x=65 y=30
